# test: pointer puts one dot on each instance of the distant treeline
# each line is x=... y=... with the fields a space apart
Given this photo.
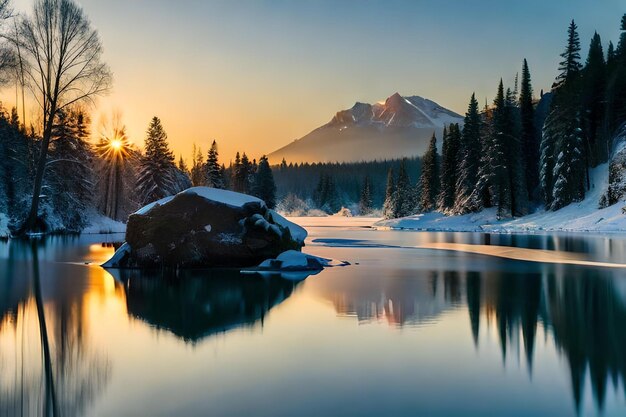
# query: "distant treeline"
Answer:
x=303 y=179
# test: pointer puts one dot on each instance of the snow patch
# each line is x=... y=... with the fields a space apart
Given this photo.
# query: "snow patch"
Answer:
x=99 y=224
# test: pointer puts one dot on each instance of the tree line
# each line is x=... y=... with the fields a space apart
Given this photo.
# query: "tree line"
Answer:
x=520 y=152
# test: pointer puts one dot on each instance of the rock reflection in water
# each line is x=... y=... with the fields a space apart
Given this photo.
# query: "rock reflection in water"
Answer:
x=197 y=303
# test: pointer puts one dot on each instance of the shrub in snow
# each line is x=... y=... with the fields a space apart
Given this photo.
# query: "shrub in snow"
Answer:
x=617 y=171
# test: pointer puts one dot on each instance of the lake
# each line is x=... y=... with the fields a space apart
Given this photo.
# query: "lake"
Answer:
x=405 y=330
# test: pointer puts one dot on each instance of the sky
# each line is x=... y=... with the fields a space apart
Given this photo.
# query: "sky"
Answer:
x=256 y=75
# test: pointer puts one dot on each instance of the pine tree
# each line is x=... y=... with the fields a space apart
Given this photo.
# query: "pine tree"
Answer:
x=529 y=134
x=616 y=88
x=514 y=157
x=482 y=196
x=237 y=183
x=449 y=168
x=570 y=66
x=389 y=206
x=501 y=179
x=265 y=187
x=469 y=155
x=70 y=180
x=594 y=81
x=562 y=142
x=157 y=176
x=326 y=195
x=610 y=57
x=244 y=174
x=182 y=165
x=365 y=200
x=198 y=177
x=214 y=177
x=405 y=196
x=429 y=179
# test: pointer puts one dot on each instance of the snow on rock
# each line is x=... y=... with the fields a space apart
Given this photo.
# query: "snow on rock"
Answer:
x=119 y=257
x=297 y=232
x=583 y=216
x=294 y=265
x=229 y=198
x=203 y=227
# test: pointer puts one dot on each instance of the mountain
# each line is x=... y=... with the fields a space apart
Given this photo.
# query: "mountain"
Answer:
x=401 y=126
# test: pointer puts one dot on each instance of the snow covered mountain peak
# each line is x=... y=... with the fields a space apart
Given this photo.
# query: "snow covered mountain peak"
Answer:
x=397 y=111
x=394 y=128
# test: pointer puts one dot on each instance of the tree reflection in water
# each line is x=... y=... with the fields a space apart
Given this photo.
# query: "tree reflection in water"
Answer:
x=52 y=370
x=582 y=309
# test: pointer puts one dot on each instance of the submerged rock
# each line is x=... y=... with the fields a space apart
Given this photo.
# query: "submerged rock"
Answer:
x=205 y=227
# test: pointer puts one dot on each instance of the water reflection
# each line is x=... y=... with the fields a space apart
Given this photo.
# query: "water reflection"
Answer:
x=48 y=365
x=582 y=310
x=195 y=304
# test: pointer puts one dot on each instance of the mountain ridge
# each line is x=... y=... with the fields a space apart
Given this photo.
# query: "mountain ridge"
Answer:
x=399 y=126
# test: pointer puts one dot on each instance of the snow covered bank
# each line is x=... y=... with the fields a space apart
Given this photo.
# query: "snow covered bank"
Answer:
x=100 y=224
x=584 y=216
x=4 y=226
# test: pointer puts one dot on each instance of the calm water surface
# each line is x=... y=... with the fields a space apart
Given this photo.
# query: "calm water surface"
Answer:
x=401 y=332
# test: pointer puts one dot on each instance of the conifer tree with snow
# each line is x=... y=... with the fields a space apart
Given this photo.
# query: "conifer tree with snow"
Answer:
x=514 y=157
x=498 y=154
x=429 y=179
x=449 y=168
x=389 y=205
x=469 y=156
x=529 y=134
x=264 y=185
x=214 y=175
x=482 y=196
x=70 y=181
x=15 y=167
x=157 y=173
x=365 y=201
x=326 y=196
x=594 y=82
x=562 y=141
x=405 y=195
x=616 y=86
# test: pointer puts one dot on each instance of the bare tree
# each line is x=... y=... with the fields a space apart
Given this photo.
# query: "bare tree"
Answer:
x=7 y=56
x=62 y=55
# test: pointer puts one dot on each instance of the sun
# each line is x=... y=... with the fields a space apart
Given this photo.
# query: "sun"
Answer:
x=116 y=144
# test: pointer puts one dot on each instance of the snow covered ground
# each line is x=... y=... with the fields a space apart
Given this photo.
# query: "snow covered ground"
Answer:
x=103 y=225
x=578 y=217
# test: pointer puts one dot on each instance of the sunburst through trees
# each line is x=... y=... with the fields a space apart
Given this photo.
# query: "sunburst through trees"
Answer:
x=115 y=151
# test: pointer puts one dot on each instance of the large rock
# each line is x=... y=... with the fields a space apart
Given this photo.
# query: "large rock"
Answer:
x=202 y=227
